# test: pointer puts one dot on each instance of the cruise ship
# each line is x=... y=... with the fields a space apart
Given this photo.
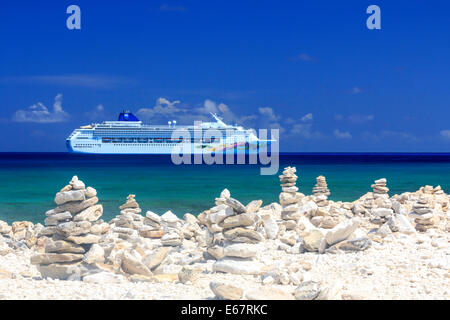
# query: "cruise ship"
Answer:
x=129 y=135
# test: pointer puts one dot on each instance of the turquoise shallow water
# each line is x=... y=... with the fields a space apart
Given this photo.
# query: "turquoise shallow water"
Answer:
x=30 y=181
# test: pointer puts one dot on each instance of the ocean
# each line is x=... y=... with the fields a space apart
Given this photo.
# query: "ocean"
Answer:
x=29 y=181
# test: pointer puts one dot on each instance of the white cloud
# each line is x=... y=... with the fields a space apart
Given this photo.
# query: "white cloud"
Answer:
x=361 y=118
x=306 y=57
x=307 y=117
x=445 y=134
x=72 y=80
x=163 y=108
x=98 y=113
x=269 y=114
x=208 y=106
x=342 y=135
x=357 y=90
x=39 y=113
x=389 y=134
x=398 y=135
x=166 y=7
x=355 y=118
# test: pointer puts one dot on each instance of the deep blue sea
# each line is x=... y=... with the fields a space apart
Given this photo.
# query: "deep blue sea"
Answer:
x=29 y=181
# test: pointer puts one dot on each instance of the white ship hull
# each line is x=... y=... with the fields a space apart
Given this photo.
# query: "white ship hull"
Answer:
x=98 y=147
x=128 y=135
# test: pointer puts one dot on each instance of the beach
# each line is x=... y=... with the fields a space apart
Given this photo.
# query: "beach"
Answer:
x=304 y=246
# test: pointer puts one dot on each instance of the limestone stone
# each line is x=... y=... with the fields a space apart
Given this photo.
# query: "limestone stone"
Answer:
x=61 y=246
x=104 y=277
x=351 y=245
x=59 y=271
x=71 y=228
x=312 y=241
x=400 y=223
x=86 y=239
x=308 y=290
x=217 y=217
x=342 y=231
x=241 y=250
x=49 y=258
x=75 y=207
x=89 y=214
x=96 y=254
x=271 y=228
x=217 y=252
x=73 y=195
x=253 y=206
x=170 y=218
x=171 y=239
x=226 y=291
x=240 y=220
x=225 y=194
x=236 y=205
x=90 y=192
x=268 y=293
x=242 y=235
x=153 y=216
x=131 y=265
x=151 y=233
x=53 y=220
x=189 y=274
x=154 y=259
x=78 y=185
x=238 y=266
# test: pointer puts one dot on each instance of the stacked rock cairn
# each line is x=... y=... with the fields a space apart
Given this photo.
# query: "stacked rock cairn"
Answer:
x=152 y=226
x=321 y=192
x=73 y=230
x=289 y=198
x=380 y=206
x=172 y=228
x=129 y=222
x=423 y=215
x=326 y=216
x=231 y=236
x=379 y=189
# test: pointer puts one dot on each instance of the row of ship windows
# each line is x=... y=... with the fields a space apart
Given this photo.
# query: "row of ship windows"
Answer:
x=159 y=140
x=124 y=144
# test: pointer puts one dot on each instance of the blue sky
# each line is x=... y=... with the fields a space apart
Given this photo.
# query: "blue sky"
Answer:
x=310 y=68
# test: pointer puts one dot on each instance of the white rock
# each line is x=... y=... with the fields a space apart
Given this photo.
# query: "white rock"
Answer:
x=103 y=278
x=78 y=185
x=153 y=216
x=400 y=223
x=305 y=224
x=241 y=250
x=54 y=219
x=219 y=216
x=399 y=208
x=90 y=192
x=309 y=208
x=382 y=212
x=74 y=195
x=237 y=266
x=225 y=194
x=271 y=227
x=268 y=280
x=342 y=231
x=95 y=255
x=169 y=217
